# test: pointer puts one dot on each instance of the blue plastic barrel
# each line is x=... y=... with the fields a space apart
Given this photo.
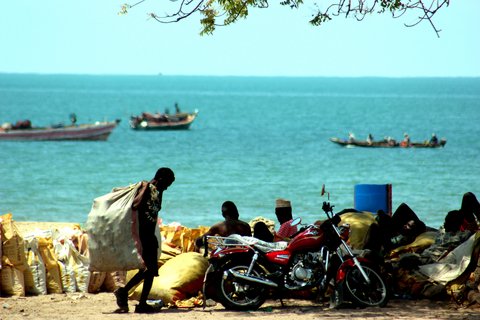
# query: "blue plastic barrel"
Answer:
x=373 y=197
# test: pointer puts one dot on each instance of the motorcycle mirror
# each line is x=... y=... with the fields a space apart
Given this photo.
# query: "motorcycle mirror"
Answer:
x=296 y=221
x=322 y=193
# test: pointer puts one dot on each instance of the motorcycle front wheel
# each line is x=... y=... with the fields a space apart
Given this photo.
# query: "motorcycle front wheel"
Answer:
x=362 y=293
x=239 y=294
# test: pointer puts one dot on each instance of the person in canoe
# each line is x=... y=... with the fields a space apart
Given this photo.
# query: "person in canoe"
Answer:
x=370 y=138
x=406 y=141
x=433 y=140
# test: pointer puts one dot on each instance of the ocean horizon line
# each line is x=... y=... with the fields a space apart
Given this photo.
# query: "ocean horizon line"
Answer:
x=235 y=76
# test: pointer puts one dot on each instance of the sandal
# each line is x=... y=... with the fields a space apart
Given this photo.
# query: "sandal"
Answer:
x=121 y=310
x=145 y=308
x=122 y=298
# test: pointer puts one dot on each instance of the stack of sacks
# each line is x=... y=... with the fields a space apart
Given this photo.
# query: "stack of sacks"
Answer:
x=14 y=266
x=43 y=261
x=57 y=261
x=56 y=257
x=180 y=237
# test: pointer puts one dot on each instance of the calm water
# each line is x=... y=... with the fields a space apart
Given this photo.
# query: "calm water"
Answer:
x=255 y=139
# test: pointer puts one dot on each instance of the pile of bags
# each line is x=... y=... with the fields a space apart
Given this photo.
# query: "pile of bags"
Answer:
x=43 y=262
x=58 y=261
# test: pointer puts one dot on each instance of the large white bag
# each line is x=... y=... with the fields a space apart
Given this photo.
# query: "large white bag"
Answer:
x=112 y=227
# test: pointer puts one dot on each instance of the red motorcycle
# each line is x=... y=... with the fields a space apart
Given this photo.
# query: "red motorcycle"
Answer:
x=245 y=271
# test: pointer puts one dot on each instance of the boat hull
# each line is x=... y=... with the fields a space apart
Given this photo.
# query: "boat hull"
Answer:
x=90 y=132
x=152 y=125
x=385 y=144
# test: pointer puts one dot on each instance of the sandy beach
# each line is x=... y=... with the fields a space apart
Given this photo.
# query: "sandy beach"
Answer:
x=81 y=306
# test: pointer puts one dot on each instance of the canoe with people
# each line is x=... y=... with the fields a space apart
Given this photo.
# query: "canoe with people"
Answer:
x=389 y=142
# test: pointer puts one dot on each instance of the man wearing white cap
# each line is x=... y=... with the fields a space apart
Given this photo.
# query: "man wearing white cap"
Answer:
x=283 y=211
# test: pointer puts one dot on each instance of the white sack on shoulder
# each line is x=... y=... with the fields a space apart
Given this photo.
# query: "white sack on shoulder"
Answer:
x=112 y=227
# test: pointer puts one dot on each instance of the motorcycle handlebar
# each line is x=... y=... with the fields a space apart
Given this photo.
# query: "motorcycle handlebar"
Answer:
x=327 y=207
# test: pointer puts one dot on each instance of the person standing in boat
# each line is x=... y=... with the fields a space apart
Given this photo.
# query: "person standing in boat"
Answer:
x=434 y=140
x=73 y=119
x=406 y=141
x=370 y=138
x=351 y=137
x=177 y=108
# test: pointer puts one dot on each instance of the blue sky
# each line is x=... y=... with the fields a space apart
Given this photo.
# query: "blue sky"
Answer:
x=89 y=37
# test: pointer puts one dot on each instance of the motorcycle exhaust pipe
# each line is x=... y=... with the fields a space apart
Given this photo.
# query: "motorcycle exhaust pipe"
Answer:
x=252 y=279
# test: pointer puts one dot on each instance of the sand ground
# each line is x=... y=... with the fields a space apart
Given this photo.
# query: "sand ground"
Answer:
x=85 y=306
x=81 y=306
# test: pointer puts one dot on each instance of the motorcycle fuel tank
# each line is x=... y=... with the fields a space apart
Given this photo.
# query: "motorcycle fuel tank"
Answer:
x=308 y=240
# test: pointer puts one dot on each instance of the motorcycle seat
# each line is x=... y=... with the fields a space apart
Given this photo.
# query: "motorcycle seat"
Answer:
x=260 y=244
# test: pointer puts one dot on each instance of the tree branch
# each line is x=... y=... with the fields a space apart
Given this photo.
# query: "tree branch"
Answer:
x=233 y=10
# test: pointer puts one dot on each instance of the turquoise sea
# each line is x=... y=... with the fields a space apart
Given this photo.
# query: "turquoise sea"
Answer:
x=255 y=139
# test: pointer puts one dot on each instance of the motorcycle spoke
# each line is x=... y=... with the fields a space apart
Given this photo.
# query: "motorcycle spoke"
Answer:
x=239 y=292
x=369 y=294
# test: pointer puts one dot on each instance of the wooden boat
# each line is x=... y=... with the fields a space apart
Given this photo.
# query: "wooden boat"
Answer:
x=163 y=121
x=99 y=131
x=387 y=144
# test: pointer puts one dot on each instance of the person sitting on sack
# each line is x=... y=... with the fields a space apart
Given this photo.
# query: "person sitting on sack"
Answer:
x=283 y=211
x=391 y=232
x=231 y=225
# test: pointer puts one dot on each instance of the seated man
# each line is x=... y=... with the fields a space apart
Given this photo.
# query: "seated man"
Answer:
x=283 y=211
x=231 y=225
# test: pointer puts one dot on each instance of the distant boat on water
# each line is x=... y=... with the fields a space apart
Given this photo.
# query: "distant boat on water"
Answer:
x=388 y=143
x=24 y=131
x=163 y=121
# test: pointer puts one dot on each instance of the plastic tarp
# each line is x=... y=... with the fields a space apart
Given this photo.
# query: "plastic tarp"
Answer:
x=452 y=265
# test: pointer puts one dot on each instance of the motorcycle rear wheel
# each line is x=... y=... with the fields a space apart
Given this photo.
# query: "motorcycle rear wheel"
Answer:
x=238 y=294
x=363 y=294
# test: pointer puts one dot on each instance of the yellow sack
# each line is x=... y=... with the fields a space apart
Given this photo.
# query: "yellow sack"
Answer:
x=167 y=253
x=420 y=243
x=172 y=235
x=359 y=224
x=79 y=265
x=179 y=278
x=188 y=238
x=36 y=266
x=13 y=248
x=114 y=279
x=54 y=281
x=96 y=281
x=30 y=287
x=12 y=281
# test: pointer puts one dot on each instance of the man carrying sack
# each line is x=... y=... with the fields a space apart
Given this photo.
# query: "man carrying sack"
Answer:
x=147 y=203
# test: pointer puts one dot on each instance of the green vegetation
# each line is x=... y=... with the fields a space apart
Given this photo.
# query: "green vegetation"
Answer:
x=216 y=13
